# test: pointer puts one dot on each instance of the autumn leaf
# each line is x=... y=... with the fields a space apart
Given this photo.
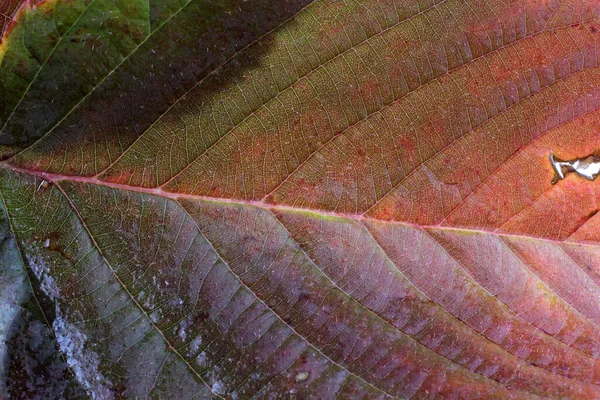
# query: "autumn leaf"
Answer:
x=304 y=199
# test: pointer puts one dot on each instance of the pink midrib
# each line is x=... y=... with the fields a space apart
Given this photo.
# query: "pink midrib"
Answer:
x=51 y=177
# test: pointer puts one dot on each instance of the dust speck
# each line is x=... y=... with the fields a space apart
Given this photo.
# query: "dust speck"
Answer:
x=301 y=376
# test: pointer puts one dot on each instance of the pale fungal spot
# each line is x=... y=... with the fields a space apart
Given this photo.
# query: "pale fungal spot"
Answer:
x=219 y=388
x=41 y=270
x=156 y=316
x=587 y=167
x=84 y=363
x=201 y=359
x=301 y=376
x=195 y=345
x=182 y=330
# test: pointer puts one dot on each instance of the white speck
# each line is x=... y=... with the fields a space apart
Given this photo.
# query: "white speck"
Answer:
x=301 y=376
x=47 y=243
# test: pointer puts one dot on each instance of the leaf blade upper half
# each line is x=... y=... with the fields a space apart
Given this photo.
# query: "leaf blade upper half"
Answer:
x=317 y=199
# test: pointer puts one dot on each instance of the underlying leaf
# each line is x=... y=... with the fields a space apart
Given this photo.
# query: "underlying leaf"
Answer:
x=13 y=282
x=336 y=199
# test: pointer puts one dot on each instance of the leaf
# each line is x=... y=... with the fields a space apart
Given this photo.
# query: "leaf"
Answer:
x=310 y=199
x=8 y=9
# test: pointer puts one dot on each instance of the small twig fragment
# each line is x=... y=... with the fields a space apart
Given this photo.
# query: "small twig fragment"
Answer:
x=43 y=185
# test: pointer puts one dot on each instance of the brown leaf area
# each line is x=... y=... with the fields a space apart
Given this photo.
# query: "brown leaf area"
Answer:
x=338 y=199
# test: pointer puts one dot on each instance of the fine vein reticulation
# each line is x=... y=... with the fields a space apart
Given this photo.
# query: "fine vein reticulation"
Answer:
x=329 y=199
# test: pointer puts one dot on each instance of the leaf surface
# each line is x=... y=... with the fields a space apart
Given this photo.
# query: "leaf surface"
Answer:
x=317 y=199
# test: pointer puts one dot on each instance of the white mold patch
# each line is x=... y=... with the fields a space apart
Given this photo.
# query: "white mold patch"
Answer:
x=42 y=272
x=83 y=362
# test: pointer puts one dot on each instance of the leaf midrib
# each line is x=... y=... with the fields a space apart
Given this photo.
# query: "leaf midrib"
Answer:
x=57 y=178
